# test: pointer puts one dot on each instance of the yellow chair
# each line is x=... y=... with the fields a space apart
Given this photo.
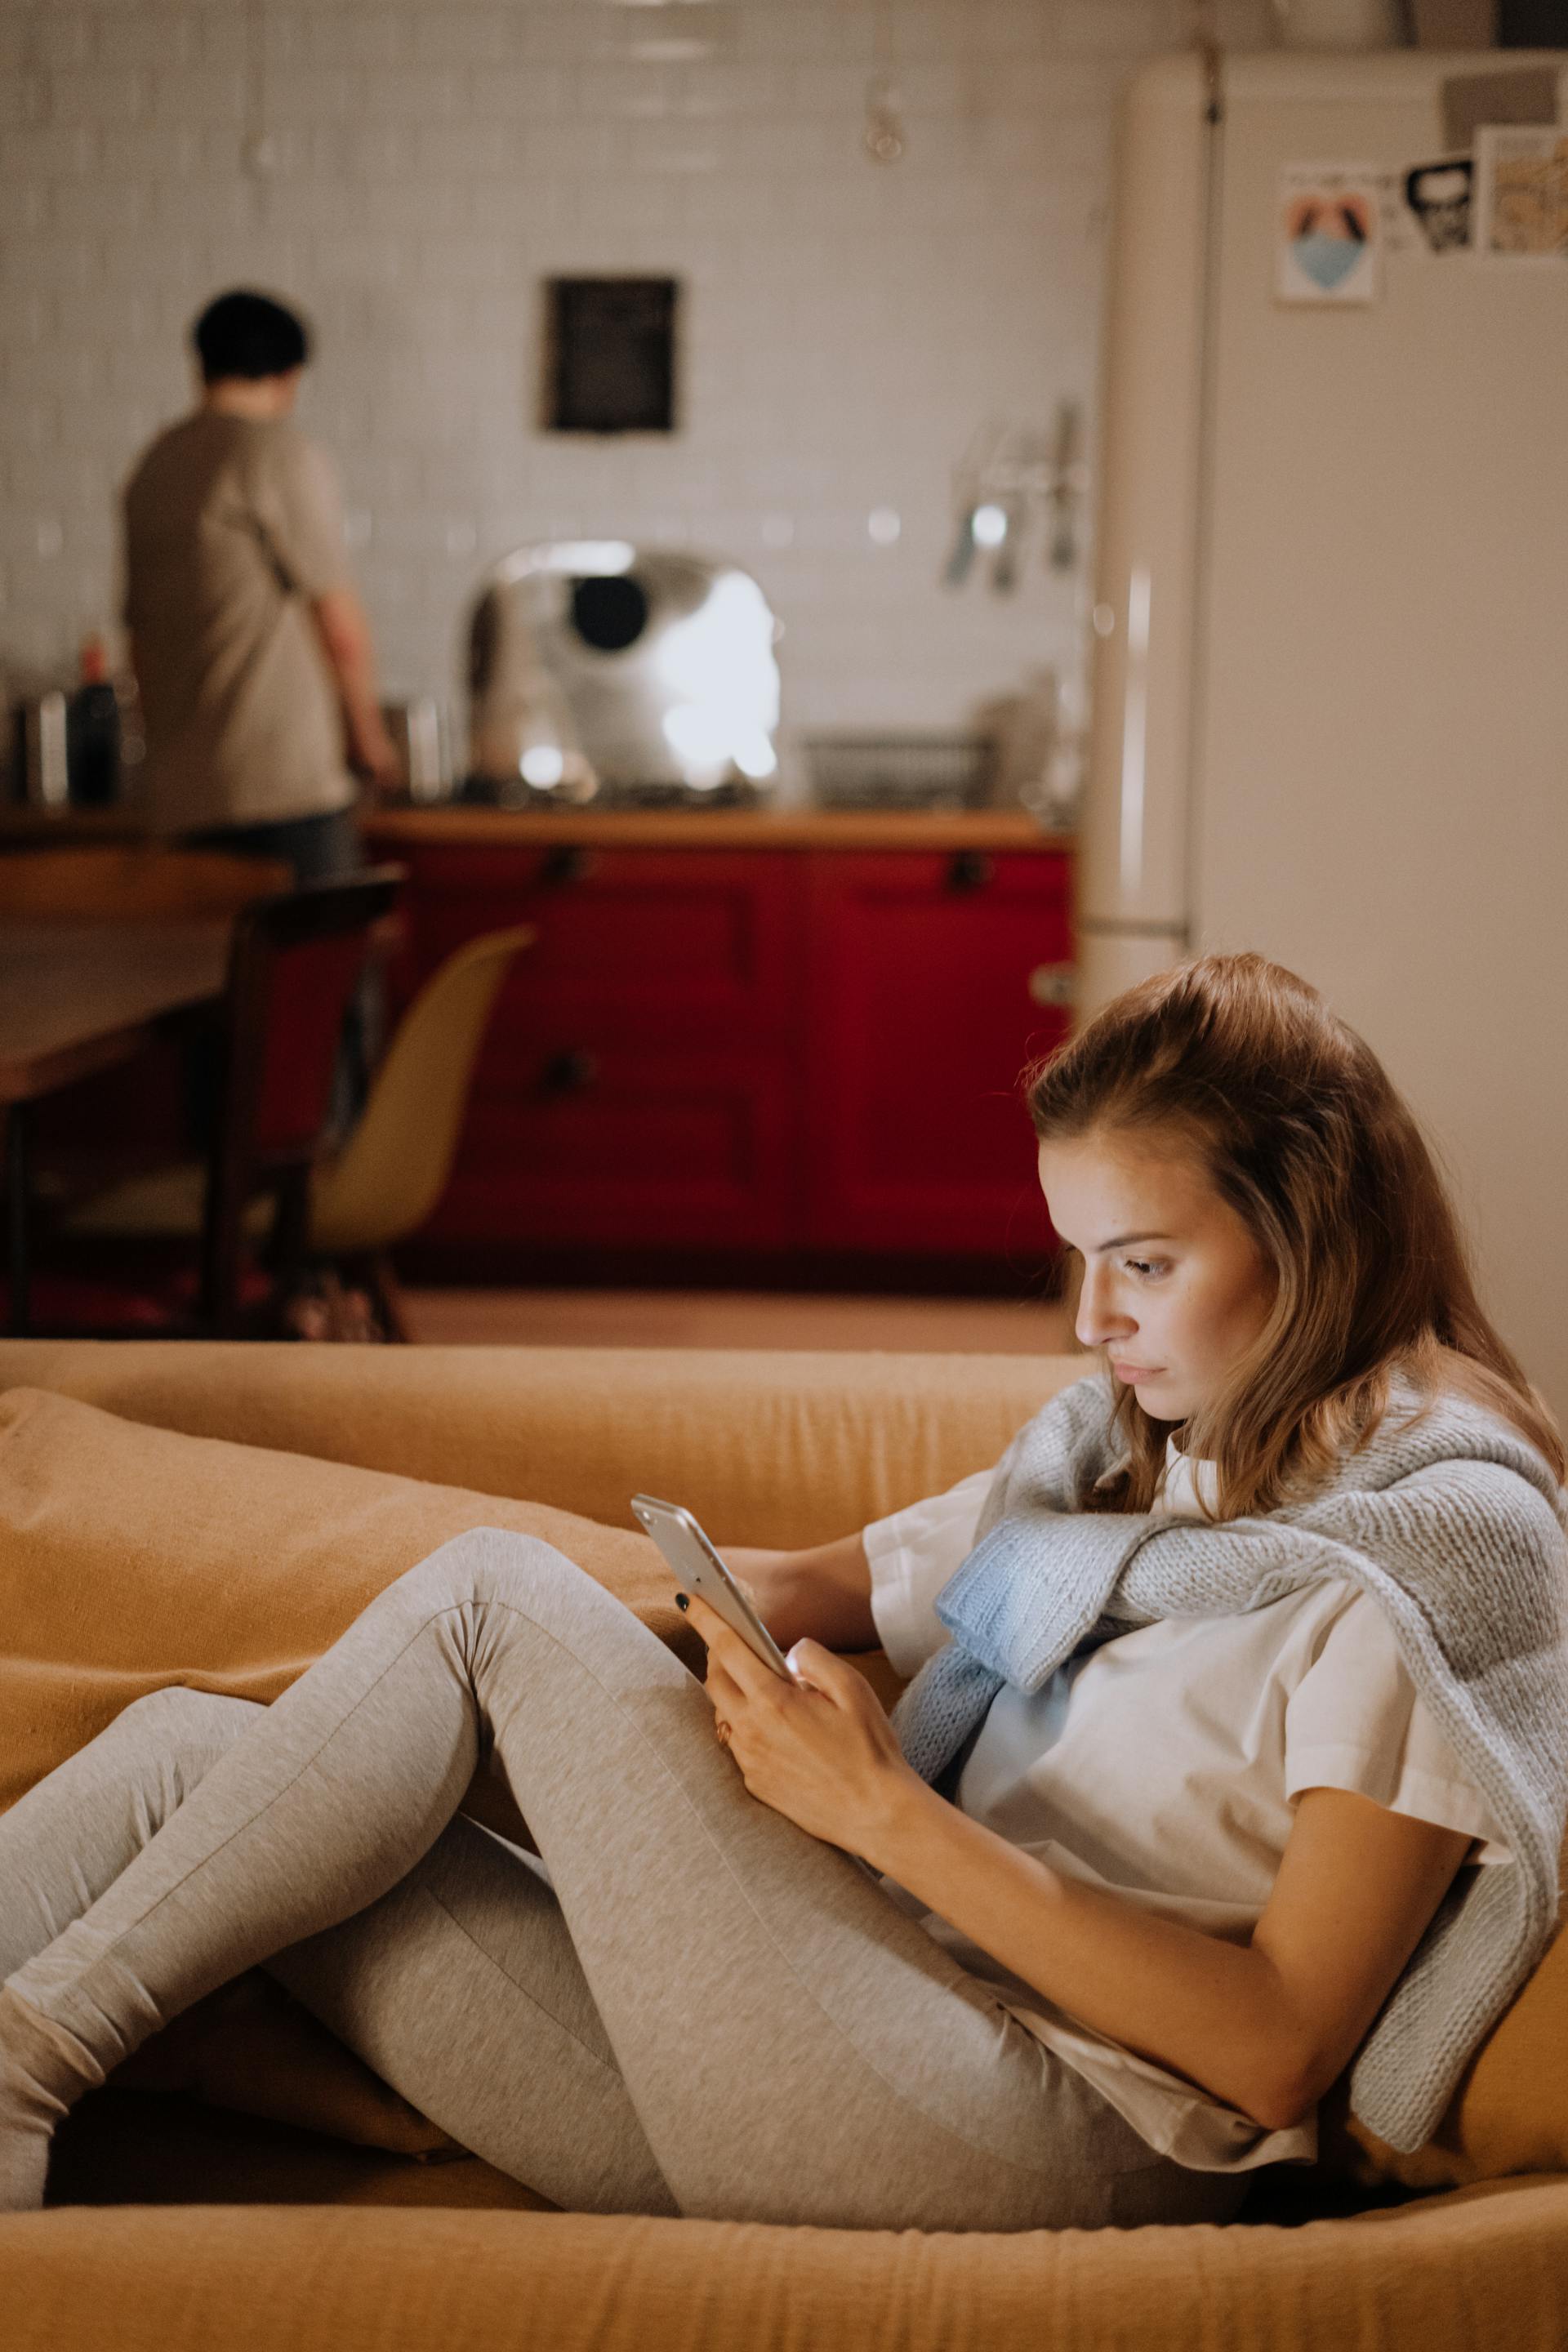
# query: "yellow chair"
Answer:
x=393 y=1169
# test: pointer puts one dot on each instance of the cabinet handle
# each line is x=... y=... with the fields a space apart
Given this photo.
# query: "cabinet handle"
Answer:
x=1053 y=984
x=969 y=870
x=568 y=862
x=572 y=1072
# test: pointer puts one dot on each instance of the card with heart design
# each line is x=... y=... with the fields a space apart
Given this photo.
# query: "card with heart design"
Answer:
x=1330 y=237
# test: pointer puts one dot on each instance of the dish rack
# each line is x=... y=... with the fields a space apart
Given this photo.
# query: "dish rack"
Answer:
x=908 y=771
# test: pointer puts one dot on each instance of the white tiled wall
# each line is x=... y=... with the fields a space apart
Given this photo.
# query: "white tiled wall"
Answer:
x=410 y=170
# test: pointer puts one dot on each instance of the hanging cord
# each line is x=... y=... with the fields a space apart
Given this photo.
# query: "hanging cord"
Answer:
x=884 y=136
x=35 y=81
x=259 y=148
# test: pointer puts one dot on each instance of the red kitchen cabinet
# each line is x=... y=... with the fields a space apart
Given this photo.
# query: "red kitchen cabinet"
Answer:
x=672 y=1148
x=922 y=1019
x=638 y=1082
x=684 y=943
x=775 y=1053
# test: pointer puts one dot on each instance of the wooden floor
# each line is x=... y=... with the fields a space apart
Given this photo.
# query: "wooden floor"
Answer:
x=734 y=1318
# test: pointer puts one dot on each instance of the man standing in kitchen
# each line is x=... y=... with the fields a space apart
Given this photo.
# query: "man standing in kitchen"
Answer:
x=248 y=639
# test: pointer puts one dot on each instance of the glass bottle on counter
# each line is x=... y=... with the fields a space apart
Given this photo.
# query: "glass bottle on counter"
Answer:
x=92 y=731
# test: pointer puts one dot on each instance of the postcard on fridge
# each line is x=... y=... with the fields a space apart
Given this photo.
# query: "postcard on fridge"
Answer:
x=1329 y=233
x=1437 y=195
x=1521 y=193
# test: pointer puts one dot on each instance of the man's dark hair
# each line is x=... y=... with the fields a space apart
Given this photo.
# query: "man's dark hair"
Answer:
x=249 y=335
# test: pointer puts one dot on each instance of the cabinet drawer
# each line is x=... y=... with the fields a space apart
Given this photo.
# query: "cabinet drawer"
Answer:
x=631 y=942
x=602 y=1144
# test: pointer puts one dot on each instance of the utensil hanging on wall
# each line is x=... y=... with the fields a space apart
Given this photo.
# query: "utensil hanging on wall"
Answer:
x=1010 y=478
x=883 y=136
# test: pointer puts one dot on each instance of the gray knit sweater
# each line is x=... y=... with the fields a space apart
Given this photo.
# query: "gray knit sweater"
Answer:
x=1453 y=1524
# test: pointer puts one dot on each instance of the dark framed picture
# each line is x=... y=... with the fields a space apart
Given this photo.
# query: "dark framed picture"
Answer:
x=609 y=355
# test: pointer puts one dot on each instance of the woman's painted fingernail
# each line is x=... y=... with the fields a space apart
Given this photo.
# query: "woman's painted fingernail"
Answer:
x=683 y=1600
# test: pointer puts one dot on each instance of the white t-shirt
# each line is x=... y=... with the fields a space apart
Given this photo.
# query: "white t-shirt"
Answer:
x=1164 y=1764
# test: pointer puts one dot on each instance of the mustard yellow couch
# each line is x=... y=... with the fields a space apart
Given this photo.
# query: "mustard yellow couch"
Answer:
x=186 y=2226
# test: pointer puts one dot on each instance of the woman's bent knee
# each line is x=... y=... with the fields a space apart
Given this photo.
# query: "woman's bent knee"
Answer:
x=177 y=1718
x=490 y=1564
x=497 y=1568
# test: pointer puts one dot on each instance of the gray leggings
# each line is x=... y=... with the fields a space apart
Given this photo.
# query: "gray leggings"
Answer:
x=695 y=2007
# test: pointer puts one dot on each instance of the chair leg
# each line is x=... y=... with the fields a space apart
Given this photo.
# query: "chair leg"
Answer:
x=14 y=1125
x=355 y=1298
x=386 y=1296
x=288 y=1247
x=221 y=1251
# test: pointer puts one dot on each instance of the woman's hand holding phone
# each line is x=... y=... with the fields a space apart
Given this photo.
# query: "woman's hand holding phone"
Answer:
x=817 y=1747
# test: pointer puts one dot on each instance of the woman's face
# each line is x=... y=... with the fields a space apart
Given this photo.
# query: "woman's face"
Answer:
x=1176 y=1289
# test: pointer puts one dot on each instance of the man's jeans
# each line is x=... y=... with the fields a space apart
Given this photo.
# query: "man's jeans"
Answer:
x=325 y=848
x=319 y=848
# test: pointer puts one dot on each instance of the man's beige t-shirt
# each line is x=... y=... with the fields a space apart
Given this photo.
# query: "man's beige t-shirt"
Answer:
x=232 y=528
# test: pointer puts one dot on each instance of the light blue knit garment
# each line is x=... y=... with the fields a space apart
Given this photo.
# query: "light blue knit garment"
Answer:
x=1452 y=1524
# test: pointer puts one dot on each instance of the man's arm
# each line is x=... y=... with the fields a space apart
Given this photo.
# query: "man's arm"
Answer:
x=344 y=630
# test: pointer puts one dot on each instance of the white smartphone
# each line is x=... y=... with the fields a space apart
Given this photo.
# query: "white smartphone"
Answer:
x=699 y=1569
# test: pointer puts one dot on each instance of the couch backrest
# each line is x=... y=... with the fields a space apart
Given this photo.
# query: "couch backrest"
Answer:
x=765 y=1447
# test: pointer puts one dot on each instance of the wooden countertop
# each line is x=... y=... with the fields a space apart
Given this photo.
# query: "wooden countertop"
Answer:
x=460 y=824
x=460 y=827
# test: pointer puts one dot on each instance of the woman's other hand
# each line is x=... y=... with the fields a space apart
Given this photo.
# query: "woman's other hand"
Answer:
x=817 y=1747
x=824 y=1594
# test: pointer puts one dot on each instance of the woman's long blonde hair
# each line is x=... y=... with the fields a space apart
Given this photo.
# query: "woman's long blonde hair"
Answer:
x=1298 y=1127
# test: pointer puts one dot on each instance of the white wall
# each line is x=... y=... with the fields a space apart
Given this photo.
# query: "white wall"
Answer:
x=847 y=325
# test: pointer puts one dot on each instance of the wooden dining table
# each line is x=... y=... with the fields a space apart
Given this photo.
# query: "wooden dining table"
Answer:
x=77 y=998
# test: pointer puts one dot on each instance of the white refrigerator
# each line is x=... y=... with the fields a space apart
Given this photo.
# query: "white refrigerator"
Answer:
x=1330 y=709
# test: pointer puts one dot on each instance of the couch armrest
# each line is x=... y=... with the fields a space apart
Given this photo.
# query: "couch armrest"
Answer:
x=1444 y=2275
x=766 y=1447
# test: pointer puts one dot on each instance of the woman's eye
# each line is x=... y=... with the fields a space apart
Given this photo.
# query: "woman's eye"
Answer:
x=1148 y=1267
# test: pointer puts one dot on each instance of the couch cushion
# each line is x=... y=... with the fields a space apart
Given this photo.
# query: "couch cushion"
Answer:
x=133 y=1558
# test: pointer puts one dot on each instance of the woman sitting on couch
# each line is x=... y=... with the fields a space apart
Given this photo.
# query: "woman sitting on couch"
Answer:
x=1234 y=1755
